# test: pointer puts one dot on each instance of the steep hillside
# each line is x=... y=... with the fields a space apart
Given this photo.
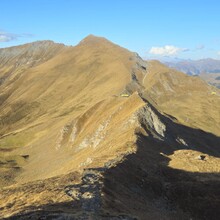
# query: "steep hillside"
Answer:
x=48 y=99
x=66 y=82
x=189 y=99
x=95 y=132
x=15 y=60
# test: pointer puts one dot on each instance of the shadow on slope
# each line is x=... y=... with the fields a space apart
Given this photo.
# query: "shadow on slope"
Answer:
x=146 y=186
x=143 y=185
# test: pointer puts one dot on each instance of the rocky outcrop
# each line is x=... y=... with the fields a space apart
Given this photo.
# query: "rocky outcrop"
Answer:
x=151 y=121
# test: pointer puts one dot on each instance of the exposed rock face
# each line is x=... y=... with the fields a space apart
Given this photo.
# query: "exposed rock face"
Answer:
x=152 y=122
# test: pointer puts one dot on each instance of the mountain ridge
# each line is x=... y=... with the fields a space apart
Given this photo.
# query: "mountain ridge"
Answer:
x=95 y=125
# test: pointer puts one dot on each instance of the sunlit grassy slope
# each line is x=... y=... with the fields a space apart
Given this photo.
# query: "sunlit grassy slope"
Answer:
x=187 y=98
x=99 y=106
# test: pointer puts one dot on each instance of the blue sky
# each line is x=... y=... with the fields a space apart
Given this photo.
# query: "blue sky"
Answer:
x=154 y=29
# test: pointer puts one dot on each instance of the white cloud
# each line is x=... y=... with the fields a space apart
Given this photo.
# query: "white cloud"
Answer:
x=200 y=47
x=6 y=37
x=167 y=50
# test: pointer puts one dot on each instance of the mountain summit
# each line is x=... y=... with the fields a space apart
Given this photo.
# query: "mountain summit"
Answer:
x=93 y=38
x=95 y=132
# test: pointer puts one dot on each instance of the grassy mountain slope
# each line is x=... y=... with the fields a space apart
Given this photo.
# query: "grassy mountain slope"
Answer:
x=187 y=98
x=46 y=98
x=72 y=147
x=15 y=60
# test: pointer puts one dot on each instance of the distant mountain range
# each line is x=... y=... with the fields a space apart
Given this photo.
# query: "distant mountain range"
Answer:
x=207 y=69
x=196 y=67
